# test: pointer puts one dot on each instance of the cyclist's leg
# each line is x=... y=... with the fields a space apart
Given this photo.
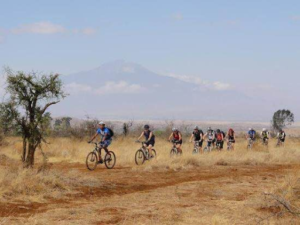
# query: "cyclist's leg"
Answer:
x=105 y=146
x=178 y=146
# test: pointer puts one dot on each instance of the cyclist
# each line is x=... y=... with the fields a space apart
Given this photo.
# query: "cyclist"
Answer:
x=251 y=134
x=197 y=135
x=281 y=136
x=149 y=137
x=265 y=135
x=210 y=135
x=176 y=138
x=106 y=138
x=231 y=137
x=220 y=138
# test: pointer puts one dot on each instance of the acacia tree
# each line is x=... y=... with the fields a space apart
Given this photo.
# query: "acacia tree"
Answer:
x=281 y=119
x=29 y=97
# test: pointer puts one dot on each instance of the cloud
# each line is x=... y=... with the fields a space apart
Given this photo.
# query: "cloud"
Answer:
x=45 y=28
x=119 y=87
x=75 y=88
x=89 y=31
x=39 y=28
x=111 y=87
x=295 y=18
x=217 y=85
x=177 y=16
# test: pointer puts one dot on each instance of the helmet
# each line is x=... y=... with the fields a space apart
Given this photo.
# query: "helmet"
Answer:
x=174 y=129
x=209 y=128
x=218 y=131
x=146 y=126
x=250 y=129
x=196 y=128
x=101 y=123
x=264 y=129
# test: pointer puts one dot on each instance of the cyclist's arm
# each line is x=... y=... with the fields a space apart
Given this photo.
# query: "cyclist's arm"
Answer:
x=141 y=136
x=95 y=135
x=170 y=137
x=150 y=136
x=180 y=136
x=191 y=137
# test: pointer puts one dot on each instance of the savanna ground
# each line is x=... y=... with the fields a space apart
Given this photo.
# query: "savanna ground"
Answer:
x=258 y=186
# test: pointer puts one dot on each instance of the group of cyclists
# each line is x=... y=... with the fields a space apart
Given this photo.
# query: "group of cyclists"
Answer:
x=214 y=138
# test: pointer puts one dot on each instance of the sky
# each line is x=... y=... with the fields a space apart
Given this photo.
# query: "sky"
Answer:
x=251 y=45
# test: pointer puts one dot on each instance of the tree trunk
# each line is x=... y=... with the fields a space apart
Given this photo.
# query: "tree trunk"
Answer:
x=24 y=150
x=30 y=155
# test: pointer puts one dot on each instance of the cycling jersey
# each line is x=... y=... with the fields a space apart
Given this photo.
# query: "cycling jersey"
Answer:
x=147 y=135
x=265 y=134
x=219 y=136
x=252 y=133
x=211 y=135
x=197 y=135
x=176 y=136
x=104 y=133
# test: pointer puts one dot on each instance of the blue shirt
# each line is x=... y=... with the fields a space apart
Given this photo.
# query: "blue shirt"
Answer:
x=104 y=132
x=252 y=133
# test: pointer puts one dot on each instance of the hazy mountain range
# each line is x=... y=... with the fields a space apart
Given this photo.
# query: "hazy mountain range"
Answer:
x=124 y=90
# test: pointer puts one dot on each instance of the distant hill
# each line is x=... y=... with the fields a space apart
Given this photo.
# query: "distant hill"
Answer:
x=122 y=90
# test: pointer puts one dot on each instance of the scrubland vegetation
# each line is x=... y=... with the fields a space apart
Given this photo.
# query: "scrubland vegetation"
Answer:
x=258 y=186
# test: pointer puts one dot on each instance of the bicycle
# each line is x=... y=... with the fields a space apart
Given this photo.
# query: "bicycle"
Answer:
x=208 y=147
x=196 y=147
x=265 y=141
x=250 y=143
x=229 y=146
x=142 y=154
x=92 y=159
x=280 y=143
x=219 y=145
x=174 y=150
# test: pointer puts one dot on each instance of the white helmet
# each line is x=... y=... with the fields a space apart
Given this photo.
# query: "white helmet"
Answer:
x=250 y=129
x=101 y=123
x=264 y=129
x=196 y=128
x=174 y=129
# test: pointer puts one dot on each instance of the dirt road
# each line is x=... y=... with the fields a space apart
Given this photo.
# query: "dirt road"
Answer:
x=140 y=195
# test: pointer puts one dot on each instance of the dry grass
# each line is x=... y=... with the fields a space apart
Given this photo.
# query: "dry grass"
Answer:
x=185 y=190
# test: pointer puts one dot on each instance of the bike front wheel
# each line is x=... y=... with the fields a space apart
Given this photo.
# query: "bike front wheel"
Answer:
x=173 y=152
x=110 y=160
x=91 y=161
x=139 y=157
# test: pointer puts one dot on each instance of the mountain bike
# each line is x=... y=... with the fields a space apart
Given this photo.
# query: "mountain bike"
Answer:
x=219 y=145
x=92 y=159
x=229 y=146
x=174 y=151
x=265 y=141
x=280 y=143
x=250 y=143
x=208 y=147
x=196 y=147
x=142 y=154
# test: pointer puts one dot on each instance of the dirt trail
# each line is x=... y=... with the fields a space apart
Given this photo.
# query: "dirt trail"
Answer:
x=123 y=181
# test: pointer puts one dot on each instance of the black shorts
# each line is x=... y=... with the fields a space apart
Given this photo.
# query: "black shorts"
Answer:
x=150 y=143
x=231 y=140
x=200 y=143
x=177 y=142
x=282 y=140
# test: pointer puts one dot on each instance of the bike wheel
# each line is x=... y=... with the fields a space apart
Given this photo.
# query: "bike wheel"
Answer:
x=195 y=151
x=173 y=152
x=153 y=154
x=91 y=161
x=110 y=160
x=139 y=157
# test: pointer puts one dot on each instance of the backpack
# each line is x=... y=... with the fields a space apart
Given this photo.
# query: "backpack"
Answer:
x=111 y=132
x=224 y=135
x=219 y=136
